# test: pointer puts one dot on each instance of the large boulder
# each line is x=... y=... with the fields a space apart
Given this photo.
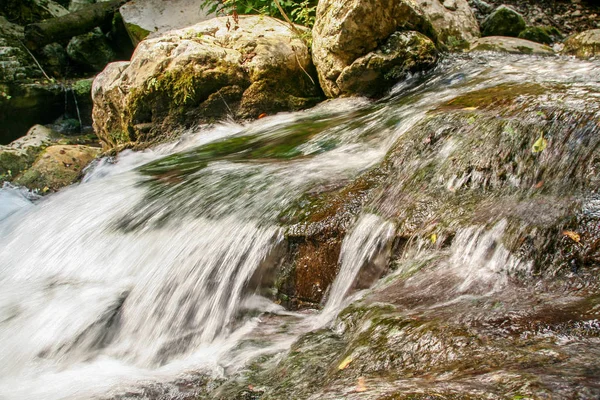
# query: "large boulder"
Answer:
x=584 y=45
x=143 y=17
x=504 y=21
x=503 y=44
x=203 y=73
x=346 y=31
x=453 y=21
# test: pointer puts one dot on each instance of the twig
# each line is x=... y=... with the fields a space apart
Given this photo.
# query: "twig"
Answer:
x=226 y=105
x=302 y=68
x=35 y=59
x=284 y=15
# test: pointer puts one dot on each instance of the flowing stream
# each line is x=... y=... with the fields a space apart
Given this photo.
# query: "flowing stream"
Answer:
x=151 y=267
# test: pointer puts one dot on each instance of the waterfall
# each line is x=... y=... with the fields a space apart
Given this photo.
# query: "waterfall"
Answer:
x=370 y=239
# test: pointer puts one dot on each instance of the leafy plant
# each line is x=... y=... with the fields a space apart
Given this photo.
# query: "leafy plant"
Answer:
x=300 y=12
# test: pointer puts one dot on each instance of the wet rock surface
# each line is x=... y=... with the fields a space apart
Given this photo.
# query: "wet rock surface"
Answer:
x=493 y=290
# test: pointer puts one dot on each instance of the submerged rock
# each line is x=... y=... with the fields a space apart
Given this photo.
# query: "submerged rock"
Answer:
x=203 y=73
x=346 y=31
x=505 y=44
x=584 y=45
x=504 y=21
x=453 y=21
x=57 y=166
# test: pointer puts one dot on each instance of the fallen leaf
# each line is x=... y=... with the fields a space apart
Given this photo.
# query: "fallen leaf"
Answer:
x=344 y=364
x=470 y=108
x=539 y=145
x=361 y=387
x=433 y=238
x=572 y=235
x=262 y=115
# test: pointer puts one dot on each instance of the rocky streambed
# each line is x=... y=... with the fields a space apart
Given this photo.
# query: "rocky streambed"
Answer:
x=439 y=241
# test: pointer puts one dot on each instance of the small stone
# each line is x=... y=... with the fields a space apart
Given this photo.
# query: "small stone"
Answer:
x=450 y=5
x=483 y=6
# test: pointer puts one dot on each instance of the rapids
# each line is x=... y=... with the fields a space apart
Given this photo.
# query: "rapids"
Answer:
x=153 y=268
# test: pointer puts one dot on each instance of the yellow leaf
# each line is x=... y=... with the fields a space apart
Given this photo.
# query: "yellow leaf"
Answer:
x=361 y=387
x=470 y=108
x=573 y=235
x=539 y=145
x=433 y=238
x=344 y=364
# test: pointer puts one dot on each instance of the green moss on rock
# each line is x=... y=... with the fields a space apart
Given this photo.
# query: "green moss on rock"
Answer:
x=541 y=34
x=504 y=21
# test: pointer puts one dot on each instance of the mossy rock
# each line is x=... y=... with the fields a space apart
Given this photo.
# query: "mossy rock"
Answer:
x=136 y=33
x=57 y=166
x=202 y=74
x=541 y=34
x=504 y=21
x=583 y=45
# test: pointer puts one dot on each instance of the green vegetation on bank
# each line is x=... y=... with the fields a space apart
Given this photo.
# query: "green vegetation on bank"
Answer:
x=301 y=12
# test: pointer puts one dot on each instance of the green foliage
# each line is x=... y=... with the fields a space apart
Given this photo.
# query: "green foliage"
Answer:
x=301 y=12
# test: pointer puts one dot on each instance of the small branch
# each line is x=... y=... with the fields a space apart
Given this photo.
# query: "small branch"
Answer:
x=302 y=68
x=287 y=19
x=35 y=59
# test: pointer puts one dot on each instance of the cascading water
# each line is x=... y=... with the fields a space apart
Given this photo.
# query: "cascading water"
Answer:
x=140 y=273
